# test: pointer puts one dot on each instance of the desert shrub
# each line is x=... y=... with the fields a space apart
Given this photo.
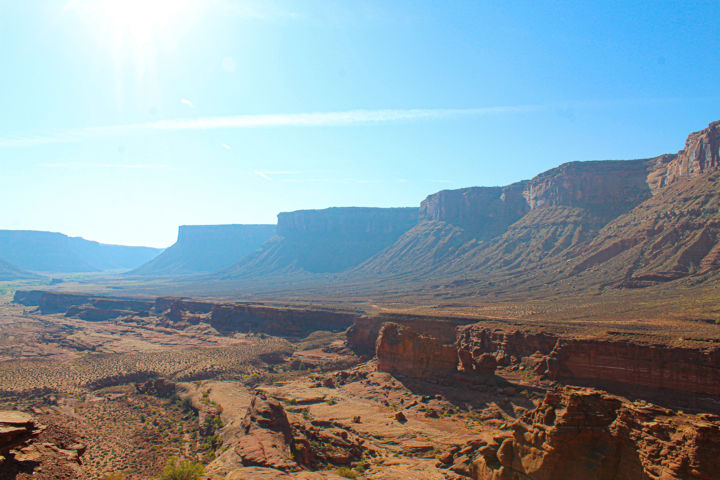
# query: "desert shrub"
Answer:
x=346 y=472
x=182 y=470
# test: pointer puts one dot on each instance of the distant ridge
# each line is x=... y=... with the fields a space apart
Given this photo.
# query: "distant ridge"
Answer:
x=580 y=226
x=207 y=248
x=39 y=251
x=622 y=224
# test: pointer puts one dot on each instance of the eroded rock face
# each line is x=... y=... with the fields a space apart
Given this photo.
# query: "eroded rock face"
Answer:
x=325 y=241
x=686 y=370
x=590 y=435
x=701 y=154
x=404 y=351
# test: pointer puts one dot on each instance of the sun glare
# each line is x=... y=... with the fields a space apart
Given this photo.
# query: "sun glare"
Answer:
x=138 y=28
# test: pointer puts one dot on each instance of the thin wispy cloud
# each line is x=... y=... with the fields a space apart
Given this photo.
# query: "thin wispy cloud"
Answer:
x=263 y=175
x=314 y=119
x=226 y=146
x=187 y=102
x=122 y=166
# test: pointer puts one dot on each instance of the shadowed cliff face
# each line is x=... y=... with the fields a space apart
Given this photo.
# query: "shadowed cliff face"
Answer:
x=326 y=241
x=483 y=212
x=207 y=248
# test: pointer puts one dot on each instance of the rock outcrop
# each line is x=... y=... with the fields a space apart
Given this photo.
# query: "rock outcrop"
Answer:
x=207 y=248
x=588 y=434
x=29 y=447
x=267 y=439
x=16 y=429
x=402 y=350
x=61 y=302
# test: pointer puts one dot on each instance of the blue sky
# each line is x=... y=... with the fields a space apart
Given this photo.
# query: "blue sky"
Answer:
x=122 y=119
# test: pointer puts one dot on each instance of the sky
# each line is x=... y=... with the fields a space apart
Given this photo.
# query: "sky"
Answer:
x=122 y=119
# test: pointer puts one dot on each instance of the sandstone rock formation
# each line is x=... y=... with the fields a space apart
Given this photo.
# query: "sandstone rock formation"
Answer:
x=585 y=433
x=404 y=351
x=207 y=248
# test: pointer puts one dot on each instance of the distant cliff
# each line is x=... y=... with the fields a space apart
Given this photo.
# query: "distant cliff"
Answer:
x=54 y=252
x=326 y=241
x=630 y=224
x=472 y=229
x=483 y=212
x=604 y=188
x=207 y=248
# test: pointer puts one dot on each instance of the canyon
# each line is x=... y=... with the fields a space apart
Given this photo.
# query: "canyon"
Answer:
x=564 y=326
x=494 y=400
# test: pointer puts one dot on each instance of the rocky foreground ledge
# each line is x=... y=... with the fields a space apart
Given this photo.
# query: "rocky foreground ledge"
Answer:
x=31 y=450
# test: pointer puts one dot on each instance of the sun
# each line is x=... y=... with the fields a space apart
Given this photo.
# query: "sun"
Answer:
x=137 y=29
